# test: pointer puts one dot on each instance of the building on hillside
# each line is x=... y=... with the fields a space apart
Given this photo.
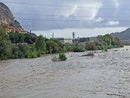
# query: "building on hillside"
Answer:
x=22 y=31
x=12 y=29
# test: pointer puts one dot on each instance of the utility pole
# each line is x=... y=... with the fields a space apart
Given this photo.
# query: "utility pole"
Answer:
x=73 y=39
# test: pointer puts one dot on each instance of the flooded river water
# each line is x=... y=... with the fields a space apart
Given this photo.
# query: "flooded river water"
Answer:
x=106 y=75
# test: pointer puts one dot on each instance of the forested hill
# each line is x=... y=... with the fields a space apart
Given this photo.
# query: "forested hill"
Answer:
x=124 y=35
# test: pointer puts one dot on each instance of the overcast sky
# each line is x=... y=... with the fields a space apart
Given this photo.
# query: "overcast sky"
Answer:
x=85 y=17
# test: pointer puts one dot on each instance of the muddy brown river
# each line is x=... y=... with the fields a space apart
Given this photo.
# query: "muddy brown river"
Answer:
x=106 y=75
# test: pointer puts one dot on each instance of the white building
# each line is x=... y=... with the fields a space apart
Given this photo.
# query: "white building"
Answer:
x=65 y=40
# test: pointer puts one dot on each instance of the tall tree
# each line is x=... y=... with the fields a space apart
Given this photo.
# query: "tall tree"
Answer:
x=5 y=45
x=52 y=47
x=30 y=38
x=40 y=44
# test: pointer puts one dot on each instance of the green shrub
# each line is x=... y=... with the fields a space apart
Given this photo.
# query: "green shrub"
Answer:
x=39 y=54
x=78 y=49
x=90 y=45
x=62 y=57
x=105 y=49
x=32 y=54
x=15 y=53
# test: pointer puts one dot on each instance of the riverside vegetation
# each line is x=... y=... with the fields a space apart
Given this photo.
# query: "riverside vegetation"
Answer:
x=15 y=45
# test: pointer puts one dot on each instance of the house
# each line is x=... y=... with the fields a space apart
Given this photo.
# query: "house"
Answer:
x=12 y=29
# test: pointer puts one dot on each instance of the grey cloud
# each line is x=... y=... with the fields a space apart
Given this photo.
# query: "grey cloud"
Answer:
x=98 y=13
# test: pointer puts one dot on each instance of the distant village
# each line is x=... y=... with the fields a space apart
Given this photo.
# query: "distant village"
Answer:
x=13 y=29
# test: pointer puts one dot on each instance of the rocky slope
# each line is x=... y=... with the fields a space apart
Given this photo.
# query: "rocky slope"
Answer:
x=6 y=17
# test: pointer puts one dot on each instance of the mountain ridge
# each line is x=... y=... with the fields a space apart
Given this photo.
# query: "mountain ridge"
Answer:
x=123 y=35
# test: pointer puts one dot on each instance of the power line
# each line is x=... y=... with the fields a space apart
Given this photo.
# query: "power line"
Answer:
x=69 y=20
x=76 y=16
x=50 y=5
x=47 y=15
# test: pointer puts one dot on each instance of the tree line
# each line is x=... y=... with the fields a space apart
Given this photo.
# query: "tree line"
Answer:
x=15 y=45
x=102 y=42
